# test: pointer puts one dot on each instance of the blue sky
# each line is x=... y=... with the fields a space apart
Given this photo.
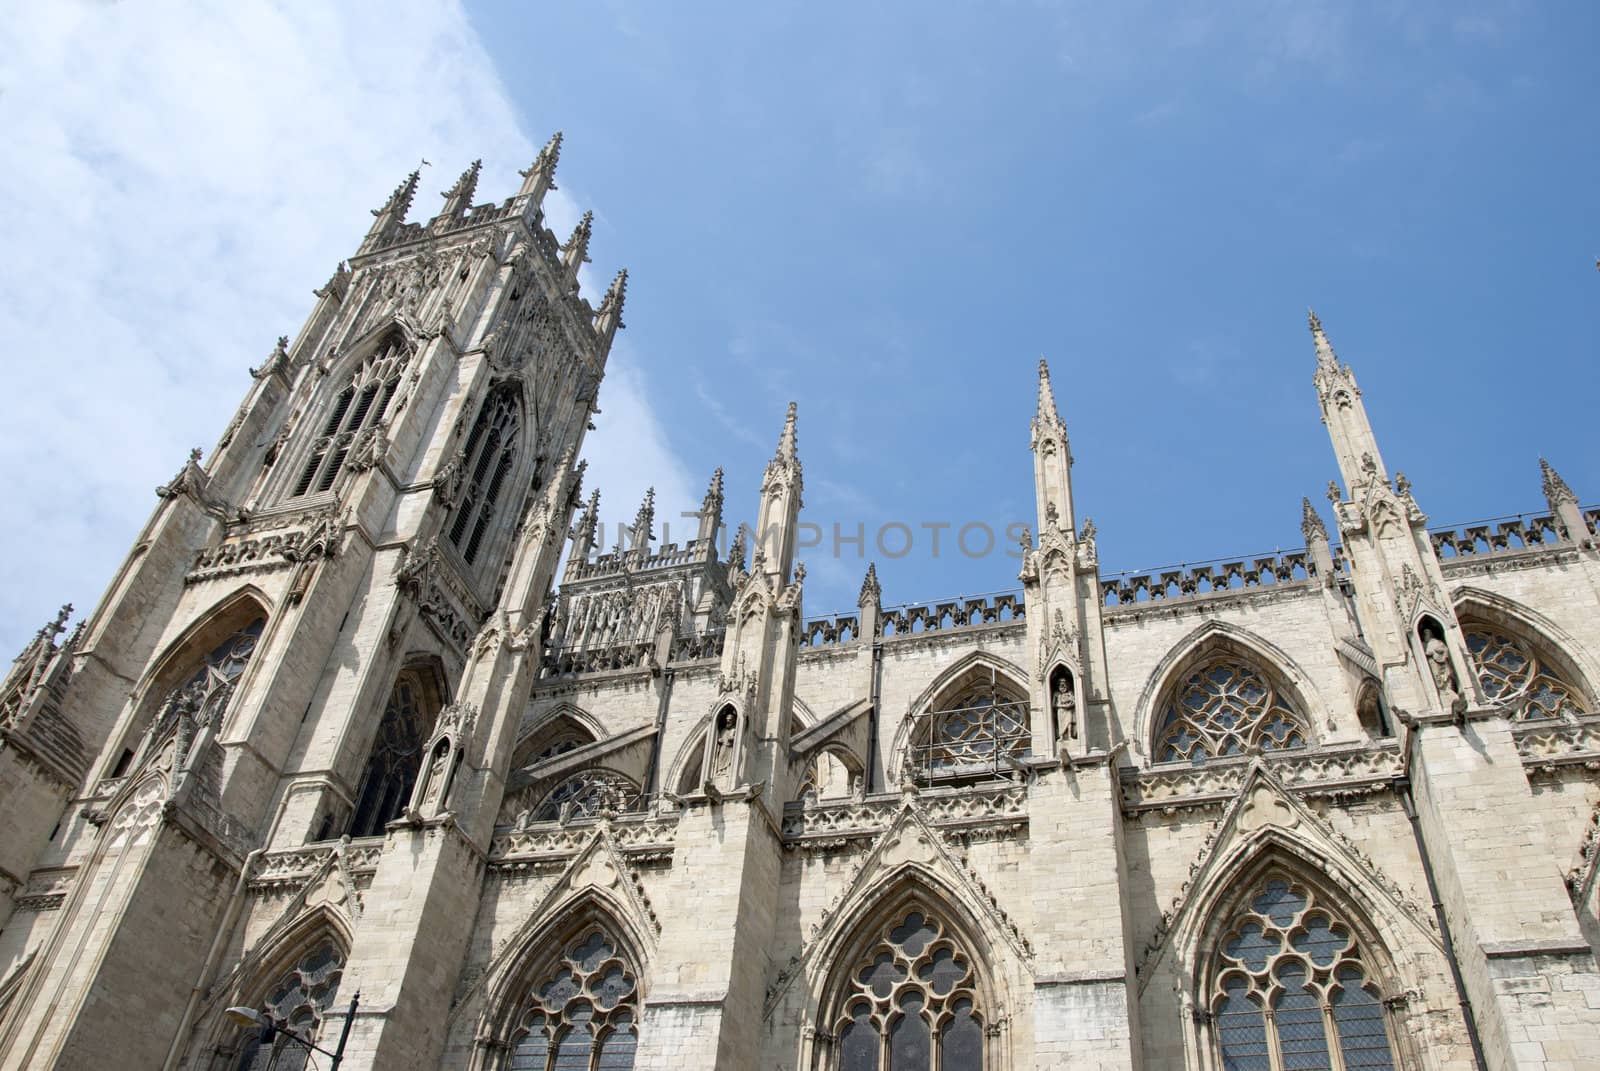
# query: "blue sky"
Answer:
x=886 y=212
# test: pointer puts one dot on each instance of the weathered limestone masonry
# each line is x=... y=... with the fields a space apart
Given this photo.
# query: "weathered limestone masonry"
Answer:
x=333 y=727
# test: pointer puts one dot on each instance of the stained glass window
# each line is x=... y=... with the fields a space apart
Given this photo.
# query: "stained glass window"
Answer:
x=396 y=755
x=582 y=1016
x=586 y=794
x=490 y=453
x=912 y=1001
x=973 y=733
x=296 y=1005
x=1287 y=954
x=1512 y=672
x=1227 y=707
x=359 y=406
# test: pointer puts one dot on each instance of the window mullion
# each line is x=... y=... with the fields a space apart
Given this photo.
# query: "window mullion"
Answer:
x=1274 y=1046
x=1331 y=1029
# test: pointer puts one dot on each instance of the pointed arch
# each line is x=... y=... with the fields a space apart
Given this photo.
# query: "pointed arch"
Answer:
x=580 y=970
x=211 y=655
x=1489 y=620
x=355 y=397
x=907 y=972
x=293 y=977
x=495 y=461
x=687 y=772
x=969 y=720
x=565 y=727
x=395 y=757
x=1214 y=642
x=1276 y=935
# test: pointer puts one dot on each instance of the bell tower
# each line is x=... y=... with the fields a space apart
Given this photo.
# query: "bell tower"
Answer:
x=327 y=629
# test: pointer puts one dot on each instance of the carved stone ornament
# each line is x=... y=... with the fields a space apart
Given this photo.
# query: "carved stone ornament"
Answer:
x=277 y=360
x=1059 y=644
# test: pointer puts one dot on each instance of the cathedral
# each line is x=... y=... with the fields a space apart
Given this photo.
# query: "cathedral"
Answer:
x=372 y=748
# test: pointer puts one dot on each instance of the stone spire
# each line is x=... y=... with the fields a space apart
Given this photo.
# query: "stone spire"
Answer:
x=644 y=523
x=388 y=219
x=575 y=254
x=1556 y=490
x=1564 y=505
x=1311 y=525
x=871 y=592
x=778 y=518
x=1046 y=413
x=736 y=551
x=711 y=511
x=583 y=533
x=1326 y=358
x=540 y=176
x=458 y=198
x=608 y=320
x=1052 y=460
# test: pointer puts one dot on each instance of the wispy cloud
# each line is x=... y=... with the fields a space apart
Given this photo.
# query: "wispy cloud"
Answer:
x=178 y=179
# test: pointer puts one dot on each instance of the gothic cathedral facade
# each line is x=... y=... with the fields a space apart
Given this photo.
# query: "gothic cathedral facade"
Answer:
x=338 y=725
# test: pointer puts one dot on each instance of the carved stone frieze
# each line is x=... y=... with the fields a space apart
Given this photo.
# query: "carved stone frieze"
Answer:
x=831 y=826
x=1336 y=774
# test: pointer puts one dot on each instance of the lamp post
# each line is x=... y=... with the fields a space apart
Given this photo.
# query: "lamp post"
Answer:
x=243 y=1016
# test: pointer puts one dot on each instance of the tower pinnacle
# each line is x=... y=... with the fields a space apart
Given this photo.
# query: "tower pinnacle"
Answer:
x=1326 y=359
x=399 y=202
x=1047 y=395
x=458 y=198
x=711 y=510
x=644 y=522
x=540 y=176
x=575 y=254
x=786 y=439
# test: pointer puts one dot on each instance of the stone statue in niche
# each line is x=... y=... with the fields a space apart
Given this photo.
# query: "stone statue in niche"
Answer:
x=724 y=735
x=434 y=793
x=1065 y=704
x=1442 y=671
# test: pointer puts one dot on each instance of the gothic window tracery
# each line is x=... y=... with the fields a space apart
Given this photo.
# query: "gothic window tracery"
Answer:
x=212 y=684
x=1227 y=707
x=396 y=756
x=586 y=794
x=583 y=1015
x=911 y=1002
x=975 y=731
x=1512 y=672
x=296 y=1005
x=488 y=458
x=356 y=408
x=1292 y=988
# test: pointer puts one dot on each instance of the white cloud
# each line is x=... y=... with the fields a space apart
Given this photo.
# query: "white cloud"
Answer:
x=178 y=179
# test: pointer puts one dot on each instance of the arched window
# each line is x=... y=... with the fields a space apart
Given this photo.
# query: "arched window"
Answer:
x=584 y=1015
x=1512 y=672
x=974 y=730
x=586 y=794
x=296 y=1005
x=490 y=453
x=1291 y=988
x=1227 y=707
x=911 y=1002
x=396 y=753
x=212 y=684
x=360 y=405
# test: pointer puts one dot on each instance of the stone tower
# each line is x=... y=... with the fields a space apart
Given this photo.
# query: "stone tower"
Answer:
x=328 y=628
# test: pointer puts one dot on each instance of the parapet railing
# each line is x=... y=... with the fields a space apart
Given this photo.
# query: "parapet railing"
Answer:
x=1517 y=532
x=989 y=608
x=1210 y=577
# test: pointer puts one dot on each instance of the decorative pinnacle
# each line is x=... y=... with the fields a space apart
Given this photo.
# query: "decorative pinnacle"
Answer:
x=871 y=591
x=786 y=440
x=713 y=500
x=1556 y=490
x=1325 y=354
x=576 y=251
x=737 y=549
x=1047 y=396
x=588 y=520
x=460 y=195
x=615 y=297
x=644 y=521
x=1311 y=525
x=399 y=202
x=547 y=159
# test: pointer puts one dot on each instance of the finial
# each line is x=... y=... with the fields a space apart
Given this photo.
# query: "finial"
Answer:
x=786 y=440
x=399 y=202
x=616 y=295
x=644 y=521
x=575 y=253
x=539 y=178
x=1325 y=355
x=1047 y=397
x=459 y=196
x=1311 y=525
x=737 y=550
x=871 y=591
x=1556 y=490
